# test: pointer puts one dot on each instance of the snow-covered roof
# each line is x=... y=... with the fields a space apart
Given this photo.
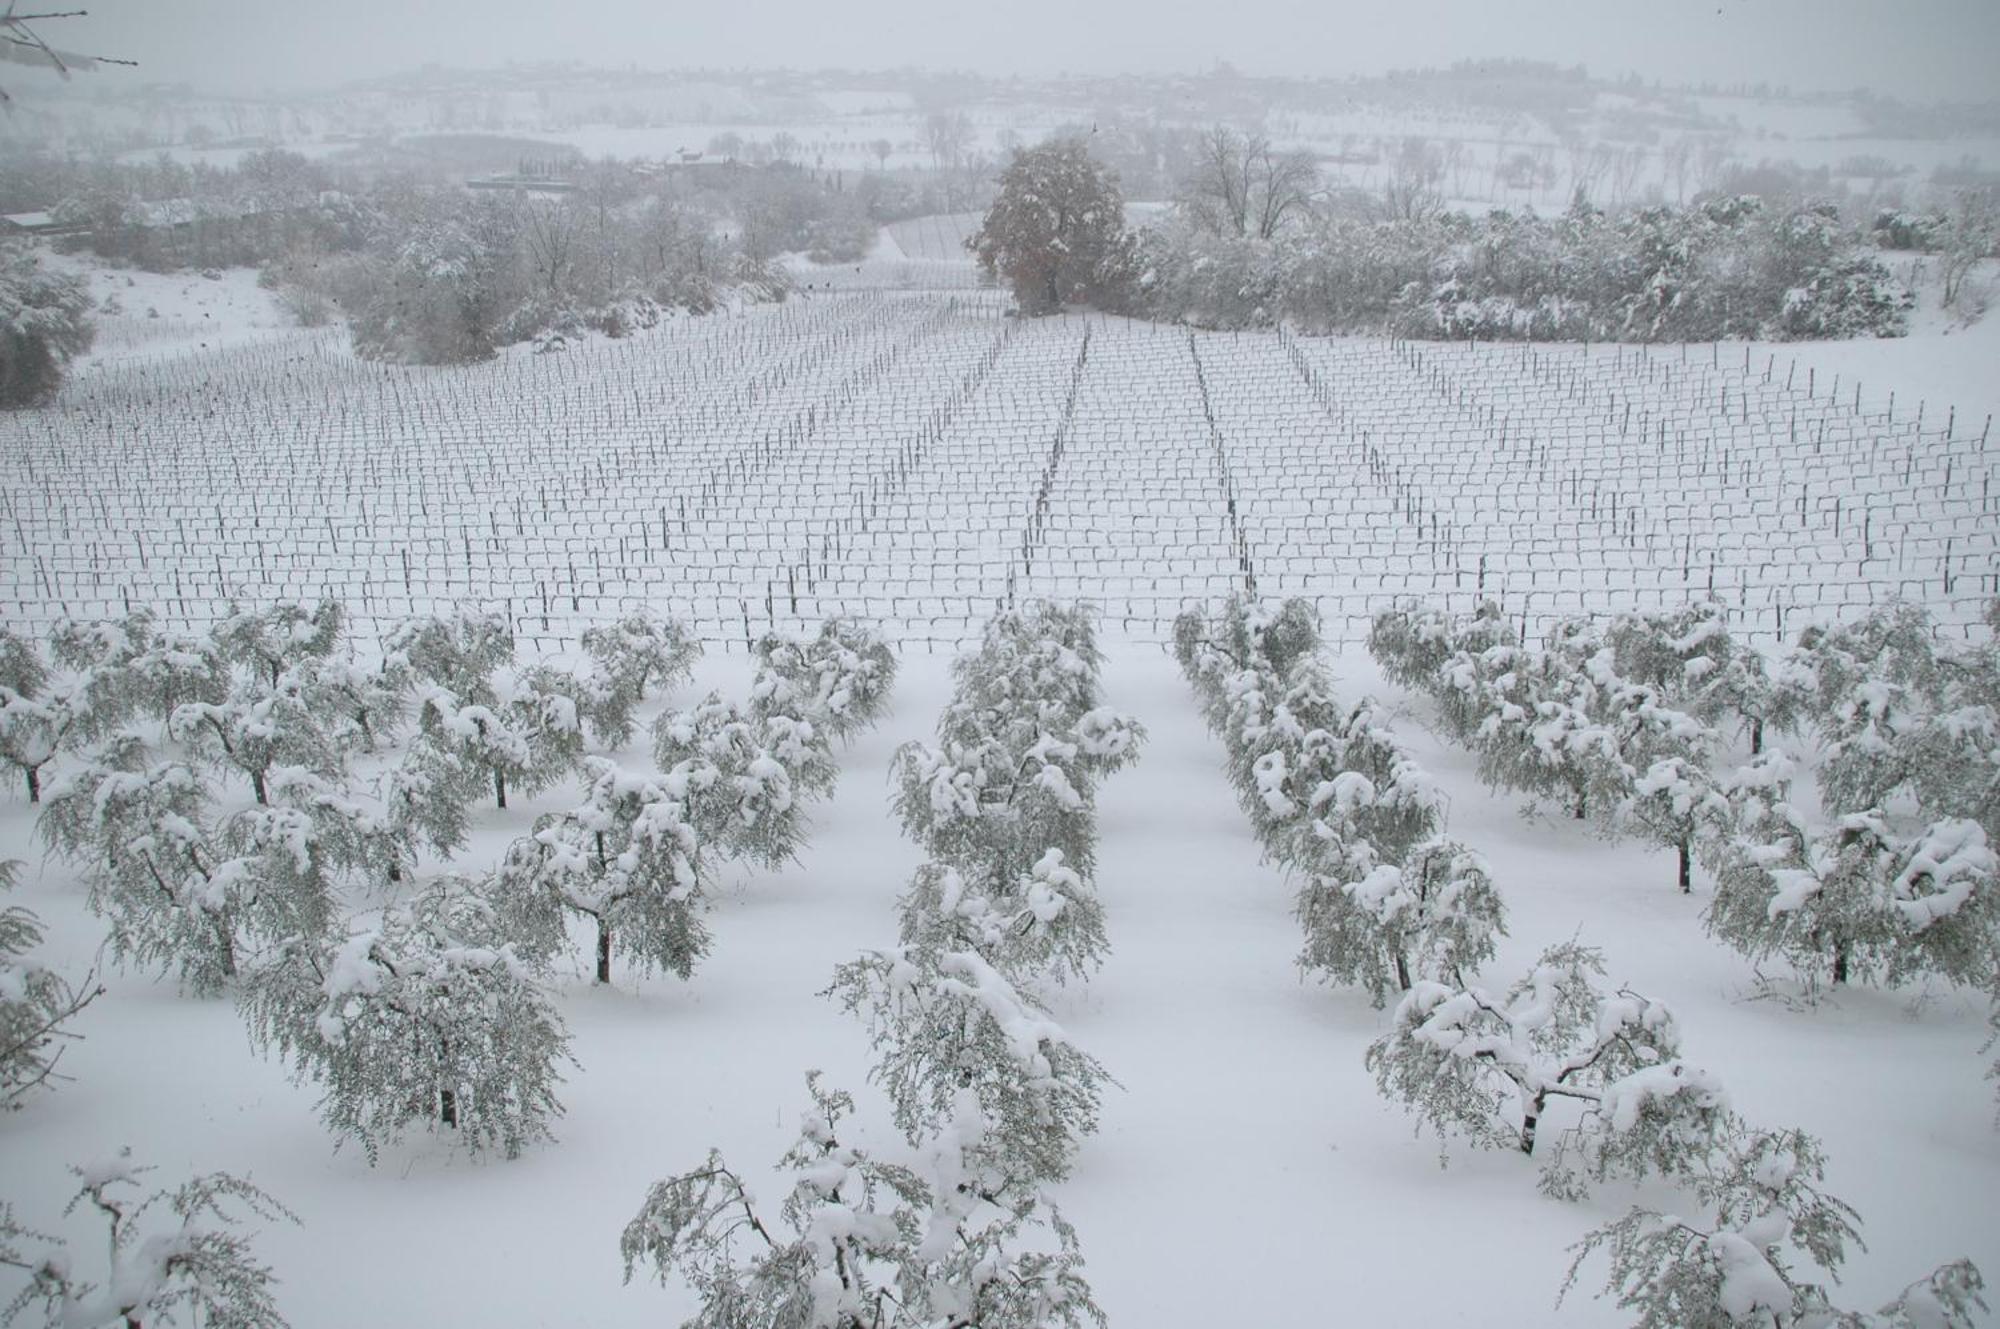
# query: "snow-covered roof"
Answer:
x=28 y=221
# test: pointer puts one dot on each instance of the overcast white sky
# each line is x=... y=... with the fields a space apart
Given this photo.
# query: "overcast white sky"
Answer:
x=1916 y=49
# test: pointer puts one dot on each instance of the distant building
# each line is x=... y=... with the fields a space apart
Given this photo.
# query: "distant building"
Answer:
x=38 y=224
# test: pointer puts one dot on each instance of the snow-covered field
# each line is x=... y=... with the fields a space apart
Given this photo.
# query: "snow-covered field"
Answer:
x=915 y=458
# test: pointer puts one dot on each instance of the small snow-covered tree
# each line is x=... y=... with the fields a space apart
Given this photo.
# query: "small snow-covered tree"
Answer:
x=255 y=728
x=833 y=1263
x=524 y=742
x=998 y=789
x=864 y=1244
x=278 y=637
x=746 y=781
x=195 y=1268
x=1383 y=926
x=138 y=832
x=358 y=832
x=839 y=679
x=1750 y=1263
x=35 y=728
x=35 y=1003
x=630 y=656
x=359 y=707
x=1861 y=900
x=1469 y=1063
x=948 y=1021
x=421 y=1015
x=175 y=670
x=1045 y=922
x=1673 y=803
x=181 y=892
x=626 y=858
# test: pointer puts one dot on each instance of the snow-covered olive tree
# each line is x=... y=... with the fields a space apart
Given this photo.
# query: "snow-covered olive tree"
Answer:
x=626 y=858
x=995 y=793
x=949 y=1021
x=180 y=893
x=628 y=657
x=524 y=742
x=1044 y=923
x=745 y=781
x=1674 y=803
x=1860 y=900
x=35 y=1002
x=256 y=727
x=1488 y=1067
x=838 y=679
x=173 y=1257
x=1749 y=1262
x=276 y=637
x=863 y=1244
x=1383 y=927
x=421 y=1015
x=38 y=722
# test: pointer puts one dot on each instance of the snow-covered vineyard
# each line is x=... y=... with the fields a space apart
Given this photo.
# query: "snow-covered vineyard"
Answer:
x=916 y=459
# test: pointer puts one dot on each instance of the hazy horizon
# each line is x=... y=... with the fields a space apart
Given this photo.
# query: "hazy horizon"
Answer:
x=1926 y=51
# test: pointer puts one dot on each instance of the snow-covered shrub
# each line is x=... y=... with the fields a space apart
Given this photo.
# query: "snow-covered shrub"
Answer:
x=174 y=1257
x=629 y=656
x=746 y=781
x=626 y=858
x=1241 y=633
x=863 y=1244
x=421 y=1015
x=1749 y=1263
x=1384 y=926
x=1470 y=1063
x=180 y=893
x=1045 y=922
x=839 y=679
x=35 y=1002
x=948 y=1022
x=44 y=324
x=174 y=670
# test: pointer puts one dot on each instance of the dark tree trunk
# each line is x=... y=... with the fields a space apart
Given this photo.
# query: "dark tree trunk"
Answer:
x=1839 y=963
x=1402 y=971
x=1687 y=877
x=1529 y=1120
x=1756 y=735
x=500 y=788
x=603 y=951
x=448 y=1107
x=257 y=787
x=34 y=784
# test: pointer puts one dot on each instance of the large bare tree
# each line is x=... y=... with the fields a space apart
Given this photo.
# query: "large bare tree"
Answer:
x=1240 y=185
